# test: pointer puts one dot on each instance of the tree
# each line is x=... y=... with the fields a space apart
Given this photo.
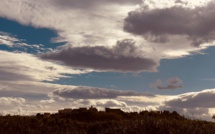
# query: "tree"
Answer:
x=213 y=117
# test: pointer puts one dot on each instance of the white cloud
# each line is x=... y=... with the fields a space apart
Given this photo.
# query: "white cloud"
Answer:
x=6 y=39
x=198 y=105
x=154 y=4
x=25 y=67
x=20 y=44
x=202 y=99
x=4 y=101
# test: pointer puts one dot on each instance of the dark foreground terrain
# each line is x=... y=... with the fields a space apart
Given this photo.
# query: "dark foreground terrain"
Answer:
x=106 y=122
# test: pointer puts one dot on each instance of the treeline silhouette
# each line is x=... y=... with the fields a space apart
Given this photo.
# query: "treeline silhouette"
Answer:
x=110 y=121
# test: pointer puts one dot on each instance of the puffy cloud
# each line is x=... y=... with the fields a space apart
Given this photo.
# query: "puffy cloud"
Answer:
x=172 y=84
x=194 y=105
x=124 y=57
x=92 y=93
x=10 y=104
x=101 y=103
x=202 y=99
x=158 y=24
x=5 y=101
x=111 y=103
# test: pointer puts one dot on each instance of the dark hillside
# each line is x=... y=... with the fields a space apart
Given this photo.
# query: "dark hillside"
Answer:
x=88 y=121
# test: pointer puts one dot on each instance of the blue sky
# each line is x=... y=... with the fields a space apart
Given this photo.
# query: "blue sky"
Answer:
x=119 y=53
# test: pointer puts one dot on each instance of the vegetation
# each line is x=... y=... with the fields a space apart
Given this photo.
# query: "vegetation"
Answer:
x=103 y=122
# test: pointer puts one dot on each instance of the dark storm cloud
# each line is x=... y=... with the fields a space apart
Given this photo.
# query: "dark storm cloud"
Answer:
x=172 y=84
x=156 y=24
x=93 y=93
x=203 y=99
x=92 y=3
x=124 y=57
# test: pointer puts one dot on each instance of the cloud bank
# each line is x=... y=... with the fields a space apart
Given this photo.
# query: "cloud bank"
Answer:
x=93 y=93
x=202 y=99
x=45 y=97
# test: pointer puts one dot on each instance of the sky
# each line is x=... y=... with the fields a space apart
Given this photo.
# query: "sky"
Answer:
x=129 y=54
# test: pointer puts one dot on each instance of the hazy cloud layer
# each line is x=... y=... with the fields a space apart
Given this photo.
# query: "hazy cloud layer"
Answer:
x=27 y=67
x=157 y=24
x=171 y=84
x=92 y=3
x=124 y=57
x=93 y=93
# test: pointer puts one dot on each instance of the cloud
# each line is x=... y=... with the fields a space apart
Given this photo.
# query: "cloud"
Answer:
x=5 y=101
x=43 y=97
x=7 y=39
x=19 y=44
x=102 y=103
x=40 y=97
x=28 y=90
x=92 y=93
x=124 y=57
x=92 y=3
x=111 y=103
x=10 y=104
x=172 y=84
x=27 y=67
x=202 y=99
x=158 y=24
x=194 y=105
x=73 y=29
